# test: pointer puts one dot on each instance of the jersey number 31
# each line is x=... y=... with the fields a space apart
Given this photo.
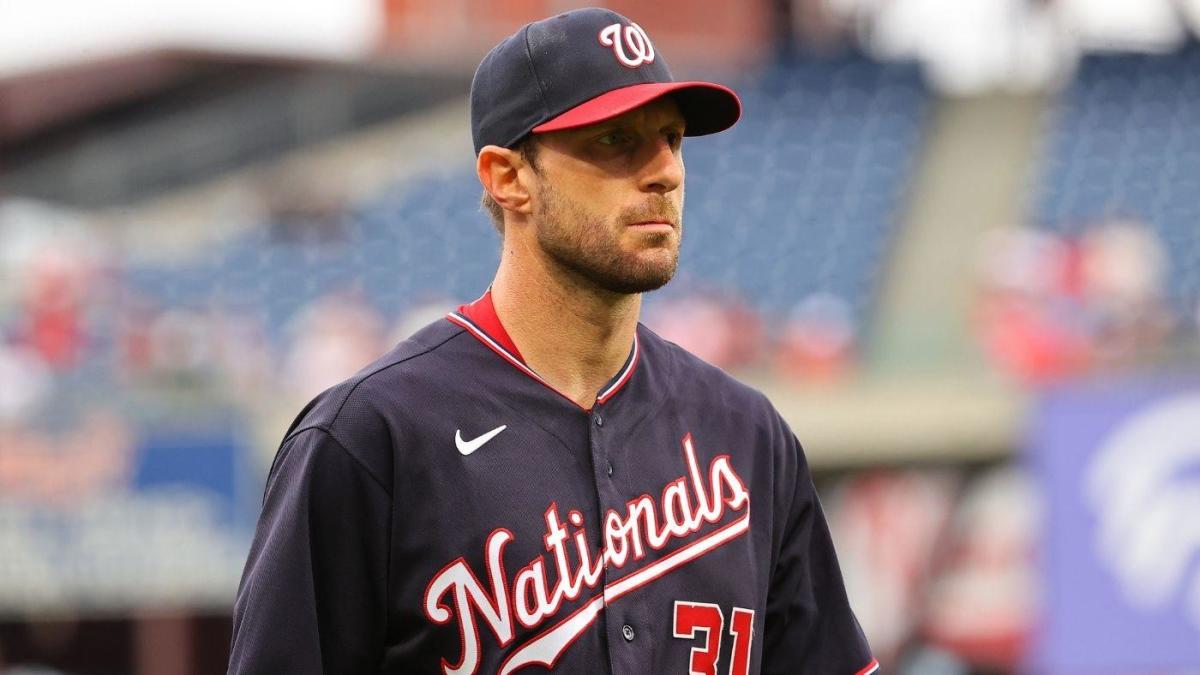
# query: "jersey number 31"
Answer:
x=692 y=618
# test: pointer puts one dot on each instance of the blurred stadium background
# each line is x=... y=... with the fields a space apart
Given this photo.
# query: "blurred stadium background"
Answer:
x=958 y=244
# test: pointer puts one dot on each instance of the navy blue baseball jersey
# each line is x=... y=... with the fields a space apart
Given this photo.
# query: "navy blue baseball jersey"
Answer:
x=447 y=511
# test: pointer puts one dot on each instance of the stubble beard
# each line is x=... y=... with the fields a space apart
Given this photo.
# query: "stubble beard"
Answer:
x=583 y=244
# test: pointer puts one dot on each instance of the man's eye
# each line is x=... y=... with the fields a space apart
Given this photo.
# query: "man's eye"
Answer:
x=615 y=138
x=674 y=138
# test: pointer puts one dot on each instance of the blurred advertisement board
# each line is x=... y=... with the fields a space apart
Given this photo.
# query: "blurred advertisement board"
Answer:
x=1119 y=465
x=101 y=518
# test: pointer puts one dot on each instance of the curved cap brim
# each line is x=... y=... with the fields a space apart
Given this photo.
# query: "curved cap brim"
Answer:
x=707 y=107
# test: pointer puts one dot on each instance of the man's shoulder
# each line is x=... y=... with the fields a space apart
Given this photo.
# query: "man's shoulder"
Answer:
x=700 y=378
x=353 y=405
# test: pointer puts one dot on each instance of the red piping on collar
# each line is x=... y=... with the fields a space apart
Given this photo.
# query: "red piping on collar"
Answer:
x=480 y=320
x=482 y=313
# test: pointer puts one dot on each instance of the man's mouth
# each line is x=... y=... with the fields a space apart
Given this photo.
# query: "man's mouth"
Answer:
x=664 y=225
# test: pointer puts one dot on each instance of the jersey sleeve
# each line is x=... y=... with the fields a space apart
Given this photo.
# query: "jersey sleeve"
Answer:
x=312 y=595
x=810 y=627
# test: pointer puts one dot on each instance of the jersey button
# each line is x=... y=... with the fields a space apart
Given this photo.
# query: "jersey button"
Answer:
x=627 y=632
x=599 y=421
x=610 y=468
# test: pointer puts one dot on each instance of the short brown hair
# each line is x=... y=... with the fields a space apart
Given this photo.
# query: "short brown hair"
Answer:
x=528 y=148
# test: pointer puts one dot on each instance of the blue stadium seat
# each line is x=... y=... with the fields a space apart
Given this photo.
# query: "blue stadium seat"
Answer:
x=1123 y=142
x=801 y=196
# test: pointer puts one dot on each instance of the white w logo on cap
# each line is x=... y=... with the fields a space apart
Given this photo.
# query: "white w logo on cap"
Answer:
x=635 y=40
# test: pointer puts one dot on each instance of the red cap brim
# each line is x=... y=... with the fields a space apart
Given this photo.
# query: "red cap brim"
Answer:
x=707 y=107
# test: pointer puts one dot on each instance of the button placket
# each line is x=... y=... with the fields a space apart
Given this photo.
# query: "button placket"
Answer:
x=602 y=468
x=599 y=421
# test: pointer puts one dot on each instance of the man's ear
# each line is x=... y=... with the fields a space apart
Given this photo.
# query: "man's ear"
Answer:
x=499 y=171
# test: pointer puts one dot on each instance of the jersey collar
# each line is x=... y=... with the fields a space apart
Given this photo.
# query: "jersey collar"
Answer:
x=480 y=320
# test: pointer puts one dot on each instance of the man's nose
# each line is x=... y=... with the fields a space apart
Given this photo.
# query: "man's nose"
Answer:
x=663 y=170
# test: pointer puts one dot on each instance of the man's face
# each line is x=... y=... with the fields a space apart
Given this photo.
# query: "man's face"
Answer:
x=608 y=202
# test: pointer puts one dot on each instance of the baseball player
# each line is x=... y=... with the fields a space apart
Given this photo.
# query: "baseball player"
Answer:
x=538 y=482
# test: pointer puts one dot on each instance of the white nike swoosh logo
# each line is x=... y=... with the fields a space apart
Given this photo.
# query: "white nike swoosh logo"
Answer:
x=467 y=447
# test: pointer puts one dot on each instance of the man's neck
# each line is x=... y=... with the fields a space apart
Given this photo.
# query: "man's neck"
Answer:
x=574 y=335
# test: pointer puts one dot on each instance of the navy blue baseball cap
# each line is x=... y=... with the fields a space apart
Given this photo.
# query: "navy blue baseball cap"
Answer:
x=579 y=68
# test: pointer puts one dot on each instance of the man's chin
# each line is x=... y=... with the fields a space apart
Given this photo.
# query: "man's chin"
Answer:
x=642 y=278
x=625 y=272
x=633 y=286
